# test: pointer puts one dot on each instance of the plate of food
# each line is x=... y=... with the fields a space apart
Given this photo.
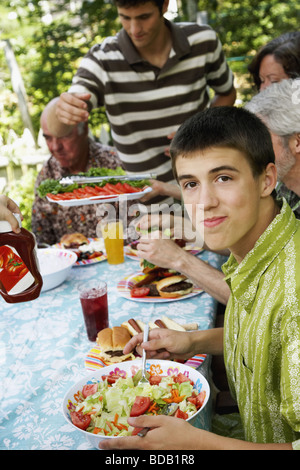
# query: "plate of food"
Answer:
x=154 y=284
x=99 y=404
x=130 y=250
x=88 y=250
x=109 y=345
x=76 y=194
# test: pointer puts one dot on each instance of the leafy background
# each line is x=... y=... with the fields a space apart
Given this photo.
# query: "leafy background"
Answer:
x=48 y=52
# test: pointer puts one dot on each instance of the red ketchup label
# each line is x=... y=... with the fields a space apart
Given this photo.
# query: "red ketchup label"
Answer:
x=14 y=274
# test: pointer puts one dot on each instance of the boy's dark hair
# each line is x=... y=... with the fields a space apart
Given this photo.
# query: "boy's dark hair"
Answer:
x=134 y=3
x=225 y=127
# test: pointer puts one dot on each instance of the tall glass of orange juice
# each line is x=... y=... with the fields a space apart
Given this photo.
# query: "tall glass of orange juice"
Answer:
x=112 y=232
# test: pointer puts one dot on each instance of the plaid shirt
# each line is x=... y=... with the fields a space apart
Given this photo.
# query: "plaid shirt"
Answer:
x=51 y=221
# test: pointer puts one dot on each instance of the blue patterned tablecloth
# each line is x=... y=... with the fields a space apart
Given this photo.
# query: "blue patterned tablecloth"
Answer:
x=43 y=346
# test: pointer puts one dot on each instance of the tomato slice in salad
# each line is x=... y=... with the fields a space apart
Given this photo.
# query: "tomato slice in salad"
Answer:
x=140 y=406
x=155 y=379
x=89 y=389
x=80 y=420
x=181 y=414
x=111 y=379
x=198 y=400
x=136 y=431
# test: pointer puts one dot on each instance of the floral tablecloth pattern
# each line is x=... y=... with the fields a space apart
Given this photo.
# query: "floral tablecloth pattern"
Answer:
x=43 y=346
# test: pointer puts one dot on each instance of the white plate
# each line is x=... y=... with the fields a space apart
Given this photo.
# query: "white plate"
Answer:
x=125 y=285
x=101 y=199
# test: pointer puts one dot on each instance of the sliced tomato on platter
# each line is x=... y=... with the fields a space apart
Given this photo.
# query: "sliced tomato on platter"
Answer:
x=112 y=188
x=79 y=193
x=138 y=292
x=54 y=197
x=89 y=191
x=140 y=406
x=80 y=420
x=130 y=189
x=89 y=389
x=120 y=187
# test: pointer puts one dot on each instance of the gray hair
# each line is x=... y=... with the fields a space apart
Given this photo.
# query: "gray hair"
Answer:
x=279 y=107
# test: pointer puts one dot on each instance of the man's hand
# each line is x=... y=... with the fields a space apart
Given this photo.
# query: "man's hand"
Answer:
x=164 y=344
x=7 y=208
x=161 y=252
x=166 y=433
x=72 y=108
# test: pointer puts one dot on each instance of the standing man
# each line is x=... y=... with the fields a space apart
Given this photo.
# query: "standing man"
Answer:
x=150 y=77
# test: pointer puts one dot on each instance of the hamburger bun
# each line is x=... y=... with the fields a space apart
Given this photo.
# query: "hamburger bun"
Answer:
x=111 y=342
x=174 y=286
x=73 y=240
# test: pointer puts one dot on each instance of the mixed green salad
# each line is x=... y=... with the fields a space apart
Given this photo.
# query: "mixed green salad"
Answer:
x=103 y=407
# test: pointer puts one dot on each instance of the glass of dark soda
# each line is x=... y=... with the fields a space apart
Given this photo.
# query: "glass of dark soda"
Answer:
x=93 y=298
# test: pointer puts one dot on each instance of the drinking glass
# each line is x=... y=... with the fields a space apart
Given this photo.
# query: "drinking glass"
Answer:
x=112 y=232
x=93 y=298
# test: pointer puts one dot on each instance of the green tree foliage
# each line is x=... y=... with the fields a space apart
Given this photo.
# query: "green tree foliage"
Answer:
x=244 y=26
x=49 y=53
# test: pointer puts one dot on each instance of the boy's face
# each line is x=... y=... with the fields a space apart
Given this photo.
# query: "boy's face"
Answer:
x=142 y=23
x=222 y=182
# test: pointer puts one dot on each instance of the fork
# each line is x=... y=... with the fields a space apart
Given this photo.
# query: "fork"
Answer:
x=144 y=379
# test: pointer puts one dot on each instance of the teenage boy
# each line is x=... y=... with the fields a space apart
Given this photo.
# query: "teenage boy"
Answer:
x=150 y=77
x=224 y=161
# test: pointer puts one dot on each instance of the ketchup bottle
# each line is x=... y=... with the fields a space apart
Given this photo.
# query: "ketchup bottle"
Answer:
x=20 y=279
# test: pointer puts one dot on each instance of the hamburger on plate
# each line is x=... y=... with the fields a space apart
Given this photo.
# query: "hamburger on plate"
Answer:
x=112 y=342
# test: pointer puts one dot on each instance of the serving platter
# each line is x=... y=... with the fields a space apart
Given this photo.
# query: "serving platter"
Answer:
x=97 y=199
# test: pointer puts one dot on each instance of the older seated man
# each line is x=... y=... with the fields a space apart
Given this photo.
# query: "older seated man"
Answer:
x=74 y=153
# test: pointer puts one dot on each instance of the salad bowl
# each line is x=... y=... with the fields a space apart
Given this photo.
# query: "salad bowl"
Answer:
x=74 y=400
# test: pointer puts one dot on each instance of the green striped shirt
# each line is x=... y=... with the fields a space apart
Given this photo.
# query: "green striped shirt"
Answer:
x=262 y=333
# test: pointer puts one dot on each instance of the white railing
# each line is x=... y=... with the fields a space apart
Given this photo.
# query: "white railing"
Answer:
x=20 y=154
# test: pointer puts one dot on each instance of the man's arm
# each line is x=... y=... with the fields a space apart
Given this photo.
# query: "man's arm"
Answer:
x=166 y=254
x=224 y=100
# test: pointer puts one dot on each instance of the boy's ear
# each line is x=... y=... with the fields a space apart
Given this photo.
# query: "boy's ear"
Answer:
x=270 y=179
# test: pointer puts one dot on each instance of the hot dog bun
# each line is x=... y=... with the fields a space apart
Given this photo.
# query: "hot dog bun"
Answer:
x=134 y=326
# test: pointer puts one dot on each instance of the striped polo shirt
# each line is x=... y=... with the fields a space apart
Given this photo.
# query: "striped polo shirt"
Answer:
x=144 y=104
